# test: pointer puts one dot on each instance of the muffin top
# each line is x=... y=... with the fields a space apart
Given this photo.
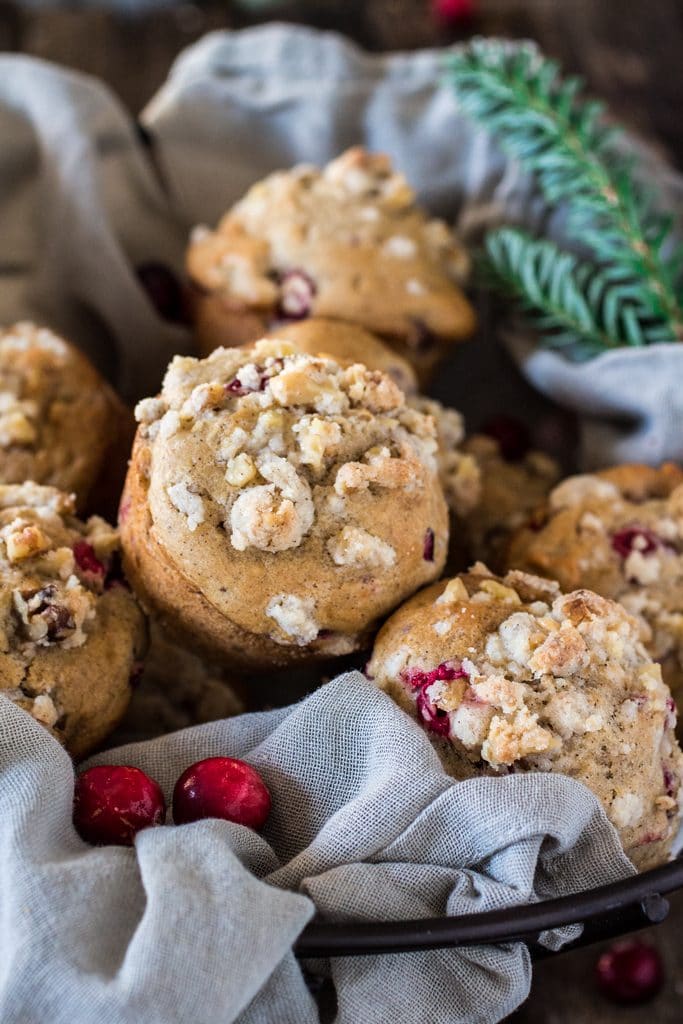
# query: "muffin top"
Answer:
x=56 y=411
x=515 y=675
x=348 y=343
x=347 y=242
x=54 y=583
x=619 y=532
x=299 y=495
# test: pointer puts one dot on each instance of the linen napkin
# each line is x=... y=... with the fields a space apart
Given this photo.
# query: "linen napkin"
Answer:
x=196 y=923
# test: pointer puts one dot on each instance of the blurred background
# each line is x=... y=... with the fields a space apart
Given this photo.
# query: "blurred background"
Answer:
x=629 y=51
x=631 y=55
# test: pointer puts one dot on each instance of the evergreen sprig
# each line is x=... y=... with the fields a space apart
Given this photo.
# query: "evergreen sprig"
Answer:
x=630 y=294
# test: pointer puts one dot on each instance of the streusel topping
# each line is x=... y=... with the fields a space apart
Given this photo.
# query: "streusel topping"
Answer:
x=53 y=569
x=265 y=450
x=515 y=675
x=619 y=532
x=346 y=241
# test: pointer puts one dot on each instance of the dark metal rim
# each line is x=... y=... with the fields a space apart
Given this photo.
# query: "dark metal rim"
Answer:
x=606 y=911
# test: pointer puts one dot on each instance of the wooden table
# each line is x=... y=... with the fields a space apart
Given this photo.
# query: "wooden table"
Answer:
x=630 y=53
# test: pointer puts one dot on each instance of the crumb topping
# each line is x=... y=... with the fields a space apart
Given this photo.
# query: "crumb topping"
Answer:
x=620 y=533
x=275 y=249
x=53 y=568
x=540 y=687
x=280 y=426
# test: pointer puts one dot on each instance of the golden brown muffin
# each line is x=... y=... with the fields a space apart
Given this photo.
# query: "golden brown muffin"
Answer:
x=71 y=634
x=620 y=533
x=346 y=242
x=279 y=504
x=511 y=675
x=176 y=689
x=60 y=423
x=348 y=343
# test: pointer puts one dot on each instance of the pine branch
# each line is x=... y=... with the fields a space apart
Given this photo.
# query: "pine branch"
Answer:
x=538 y=118
x=569 y=300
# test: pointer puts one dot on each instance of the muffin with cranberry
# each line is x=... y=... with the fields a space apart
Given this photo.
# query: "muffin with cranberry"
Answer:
x=279 y=504
x=620 y=533
x=348 y=343
x=60 y=423
x=348 y=242
x=511 y=675
x=72 y=633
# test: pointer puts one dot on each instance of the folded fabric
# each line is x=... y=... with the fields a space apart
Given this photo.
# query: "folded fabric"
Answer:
x=197 y=922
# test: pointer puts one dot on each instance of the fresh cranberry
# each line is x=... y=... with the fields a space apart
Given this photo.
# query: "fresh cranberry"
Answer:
x=434 y=718
x=630 y=972
x=163 y=290
x=511 y=434
x=428 y=546
x=297 y=291
x=239 y=390
x=112 y=803
x=86 y=559
x=635 y=538
x=221 y=787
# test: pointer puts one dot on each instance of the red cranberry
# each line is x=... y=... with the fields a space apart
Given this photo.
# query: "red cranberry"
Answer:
x=634 y=538
x=434 y=718
x=511 y=434
x=86 y=559
x=163 y=290
x=428 y=546
x=112 y=803
x=630 y=972
x=416 y=678
x=221 y=787
x=238 y=389
x=453 y=12
x=297 y=291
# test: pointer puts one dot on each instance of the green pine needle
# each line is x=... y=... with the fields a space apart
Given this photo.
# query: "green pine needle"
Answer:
x=539 y=118
x=568 y=299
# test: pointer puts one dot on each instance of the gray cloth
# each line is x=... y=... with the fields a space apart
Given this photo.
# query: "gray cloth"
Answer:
x=196 y=923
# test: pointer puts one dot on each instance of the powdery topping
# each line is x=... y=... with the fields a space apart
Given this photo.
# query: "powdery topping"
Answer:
x=281 y=423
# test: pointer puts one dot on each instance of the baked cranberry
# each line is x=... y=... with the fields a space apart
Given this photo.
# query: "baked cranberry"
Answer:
x=221 y=787
x=447 y=671
x=297 y=291
x=428 y=546
x=86 y=559
x=238 y=389
x=511 y=434
x=630 y=972
x=433 y=717
x=163 y=290
x=112 y=803
x=635 y=538
x=422 y=339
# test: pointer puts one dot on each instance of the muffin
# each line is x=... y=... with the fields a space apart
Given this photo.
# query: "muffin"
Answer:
x=279 y=504
x=346 y=242
x=49 y=392
x=176 y=689
x=348 y=343
x=511 y=675
x=71 y=633
x=488 y=495
x=620 y=533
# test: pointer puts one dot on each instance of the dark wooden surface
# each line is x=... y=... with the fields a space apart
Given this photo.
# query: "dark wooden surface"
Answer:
x=631 y=54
